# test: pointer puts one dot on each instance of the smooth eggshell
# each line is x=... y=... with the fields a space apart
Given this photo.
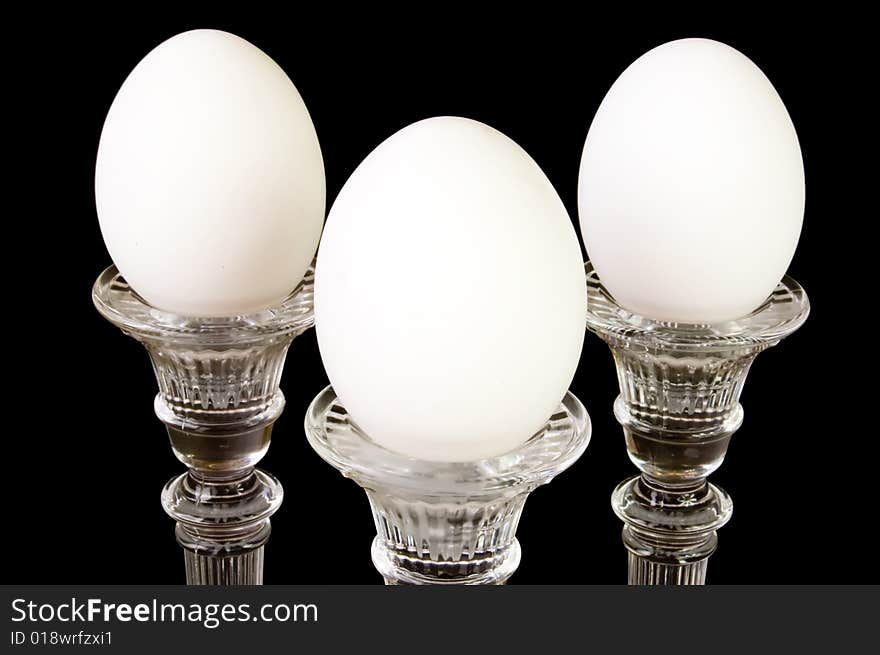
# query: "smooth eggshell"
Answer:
x=691 y=193
x=209 y=181
x=450 y=295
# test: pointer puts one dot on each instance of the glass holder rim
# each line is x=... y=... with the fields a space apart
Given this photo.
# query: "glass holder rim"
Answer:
x=338 y=441
x=783 y=312
x=117 y=302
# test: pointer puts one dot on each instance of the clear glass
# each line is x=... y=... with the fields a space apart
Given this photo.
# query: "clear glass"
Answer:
x=446 y=523
x=218 y=398
x=679 y=406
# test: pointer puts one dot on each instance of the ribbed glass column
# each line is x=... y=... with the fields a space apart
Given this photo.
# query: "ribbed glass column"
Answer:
x=218 y=398
x=446 y=523
x=679 y=407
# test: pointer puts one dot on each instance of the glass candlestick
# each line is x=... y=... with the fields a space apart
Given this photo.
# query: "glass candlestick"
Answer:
x=679 y=406
x=446 y=523
x=218 y=397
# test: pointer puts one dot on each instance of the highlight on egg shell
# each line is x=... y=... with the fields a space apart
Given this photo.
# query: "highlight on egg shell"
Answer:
x=209 y=182
x=450 y=294
x=691 y=189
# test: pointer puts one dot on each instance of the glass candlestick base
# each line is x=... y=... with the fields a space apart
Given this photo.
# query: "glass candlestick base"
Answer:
x=446 y=523
x=218 y=398
x=679 y=406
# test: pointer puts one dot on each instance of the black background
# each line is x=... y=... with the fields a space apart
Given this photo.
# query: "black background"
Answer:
x=86 y=458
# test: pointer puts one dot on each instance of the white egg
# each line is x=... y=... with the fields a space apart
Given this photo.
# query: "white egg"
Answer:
x=691 y=193
x=209 y=181
x=450 y=297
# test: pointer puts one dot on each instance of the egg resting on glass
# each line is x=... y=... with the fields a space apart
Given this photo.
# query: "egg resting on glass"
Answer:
x=691 y=191
x=209 y=181
x=450 y=295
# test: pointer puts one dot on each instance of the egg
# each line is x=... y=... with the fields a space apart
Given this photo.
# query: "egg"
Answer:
x=450 y=296
x=209 y=183
x=691 y=188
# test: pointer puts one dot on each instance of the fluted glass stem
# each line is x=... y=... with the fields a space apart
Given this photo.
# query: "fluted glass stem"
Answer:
x=679 y=407
x=446 y=523
x=218 y=398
